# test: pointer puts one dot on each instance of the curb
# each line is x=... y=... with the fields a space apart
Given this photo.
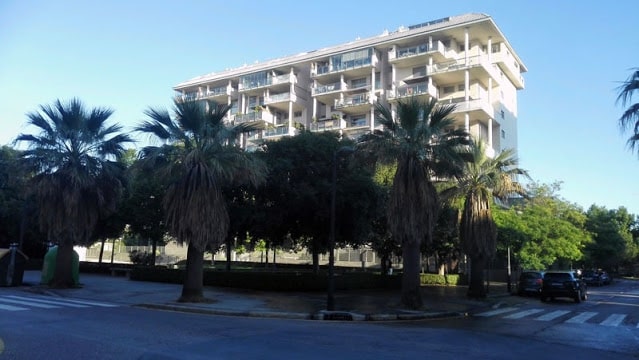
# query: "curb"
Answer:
x=321 y=315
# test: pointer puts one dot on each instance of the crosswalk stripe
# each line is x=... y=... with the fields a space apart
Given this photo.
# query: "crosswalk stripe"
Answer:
x=28 y=303
x=12 y=308
x=581 y=318
x=87 y=302
x=522 y=314
x=552 y=315
x=57 y=302
x=613 y=320
x=497 y=312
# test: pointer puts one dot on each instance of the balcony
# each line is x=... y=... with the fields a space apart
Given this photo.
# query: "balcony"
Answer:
x=323 y=89
x=357 y=123
x=278 y=131
x=269 y=81
x=326 y=125
x=350 y=101
x=480 y=106
x=507 y=63
x=479 y=65
x=344 y=66
x=412 y=55
x=279 y=98
x=253 y=116
x=413 y=90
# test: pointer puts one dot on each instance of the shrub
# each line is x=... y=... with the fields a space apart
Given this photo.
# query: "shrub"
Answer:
x=141 y=258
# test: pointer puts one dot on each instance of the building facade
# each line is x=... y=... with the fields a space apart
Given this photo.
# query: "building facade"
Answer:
x=463 y=59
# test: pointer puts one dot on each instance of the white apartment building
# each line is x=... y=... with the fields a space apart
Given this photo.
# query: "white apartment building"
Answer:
x=463 y=59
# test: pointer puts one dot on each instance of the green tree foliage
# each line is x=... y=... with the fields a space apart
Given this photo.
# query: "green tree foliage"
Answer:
x=199 y=156
x=421 y=141
x=295 y=201
x=77 y=179
x=613 y=244
x=544 y=231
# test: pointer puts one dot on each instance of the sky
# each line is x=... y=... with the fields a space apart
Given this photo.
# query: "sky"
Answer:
x=127 y=55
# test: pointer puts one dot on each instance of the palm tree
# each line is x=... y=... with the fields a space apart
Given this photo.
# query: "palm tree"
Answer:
x=484 y=178
x=77 y=179
x=200 y=154
x=630 y=117
x=423 y=144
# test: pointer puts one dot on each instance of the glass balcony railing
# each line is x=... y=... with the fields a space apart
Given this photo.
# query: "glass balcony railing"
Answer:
x=217 y=91
x=413 y=50
x=327 y=88
x=326 y=125
x=278 y=131
x=278 y=98
x=252 y=116
x=346 y=65
x=358 y=122
x=352 y=101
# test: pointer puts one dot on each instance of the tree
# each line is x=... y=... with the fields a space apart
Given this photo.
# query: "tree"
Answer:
x=424 y=144
x=630 y=117
x=483 y=180
x=77 y=179
x=200 y=154
x=544 y=231
x=613 y=243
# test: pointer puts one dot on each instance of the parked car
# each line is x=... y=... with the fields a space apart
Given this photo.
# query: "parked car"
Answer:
x=530 y=283
x=596 y=277
x=563 y=284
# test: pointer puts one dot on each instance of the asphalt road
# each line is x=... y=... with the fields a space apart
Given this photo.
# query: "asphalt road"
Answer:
x=91 y=330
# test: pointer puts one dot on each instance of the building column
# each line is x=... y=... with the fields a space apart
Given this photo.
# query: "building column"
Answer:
x=490 y=49
x=372 y=122
x=466 y=43
x=490 y=132
x=430 y=42
x=372 y=91
x=290 y=118
x=393 y=75
x=467 y=122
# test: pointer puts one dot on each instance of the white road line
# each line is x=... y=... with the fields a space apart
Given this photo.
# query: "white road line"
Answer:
x=581 y=318
x=552 y=315
x=11 y=308
x=28 y=303
x=613 y=320
x=87 y=302
x=57 y=302
x=522 y=314
x=497 y=312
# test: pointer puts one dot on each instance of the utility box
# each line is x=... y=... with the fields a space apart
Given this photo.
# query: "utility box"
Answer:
x=12 y=264
x=50 y=260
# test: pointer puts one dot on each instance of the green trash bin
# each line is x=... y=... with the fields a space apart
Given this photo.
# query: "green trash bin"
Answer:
x=48 y=267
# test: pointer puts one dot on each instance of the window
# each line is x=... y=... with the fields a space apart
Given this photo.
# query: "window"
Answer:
x=297 y=114
x=449 y=89
x=503 y=134
x=462 y=47
x=419 y=71
x=502 y=114
x=358 y=83
x=461 y=87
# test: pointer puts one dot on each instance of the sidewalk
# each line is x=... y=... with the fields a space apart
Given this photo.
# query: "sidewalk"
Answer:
x=374 y=305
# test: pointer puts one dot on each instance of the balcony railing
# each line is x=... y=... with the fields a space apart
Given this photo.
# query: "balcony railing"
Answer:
x=416 y=50
x=473 y=61
x=414 y=89
x=278 y=131
x=352 y=101
x=278 y=98
x=252 y=116
x=326 y=125
x=471 y=105
x=327 y=88
x=272 y=80
x=222 y=90
x=358 y=122
x=346 y=65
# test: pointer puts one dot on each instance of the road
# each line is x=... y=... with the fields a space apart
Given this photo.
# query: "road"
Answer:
x=54 y=328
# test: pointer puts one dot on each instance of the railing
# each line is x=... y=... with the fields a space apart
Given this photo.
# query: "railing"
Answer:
x=272 y=80
x=471 y=104
x=352 y=101
x=410 y=90
x=346 y=65
x=278 y=131
x=326 y=125
x=217 y=91
x=416 y=50
x=252 y=116
x=478 y=60
x=358 y=122
x=278 y=98
x=281 y=79
x=327 y=88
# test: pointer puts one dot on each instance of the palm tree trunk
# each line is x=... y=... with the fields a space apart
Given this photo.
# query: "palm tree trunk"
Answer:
x=411 y=294
x=63 y=275
x=101 y=250
x=228 y=253
x=476 y=287
x=154 y=248
x=192 y=290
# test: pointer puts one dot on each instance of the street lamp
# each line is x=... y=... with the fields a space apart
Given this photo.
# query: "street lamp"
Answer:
x=330 y=299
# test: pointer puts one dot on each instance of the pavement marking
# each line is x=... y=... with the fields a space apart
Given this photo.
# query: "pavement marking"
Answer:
x=28 y=303
x=523 y=314
x=613 y=320
x=12 y=308
x=87 y=302
x=552 y=315
x=40 y=300
x=581 y=318
x=497 y=312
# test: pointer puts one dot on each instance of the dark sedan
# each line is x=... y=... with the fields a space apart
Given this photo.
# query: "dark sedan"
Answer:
x=530 y=283
x=563 y=284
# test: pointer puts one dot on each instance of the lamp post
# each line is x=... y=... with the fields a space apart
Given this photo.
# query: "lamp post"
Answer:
x=330 y=298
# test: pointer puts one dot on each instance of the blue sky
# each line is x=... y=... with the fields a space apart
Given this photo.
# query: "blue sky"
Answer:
x=127 y=55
